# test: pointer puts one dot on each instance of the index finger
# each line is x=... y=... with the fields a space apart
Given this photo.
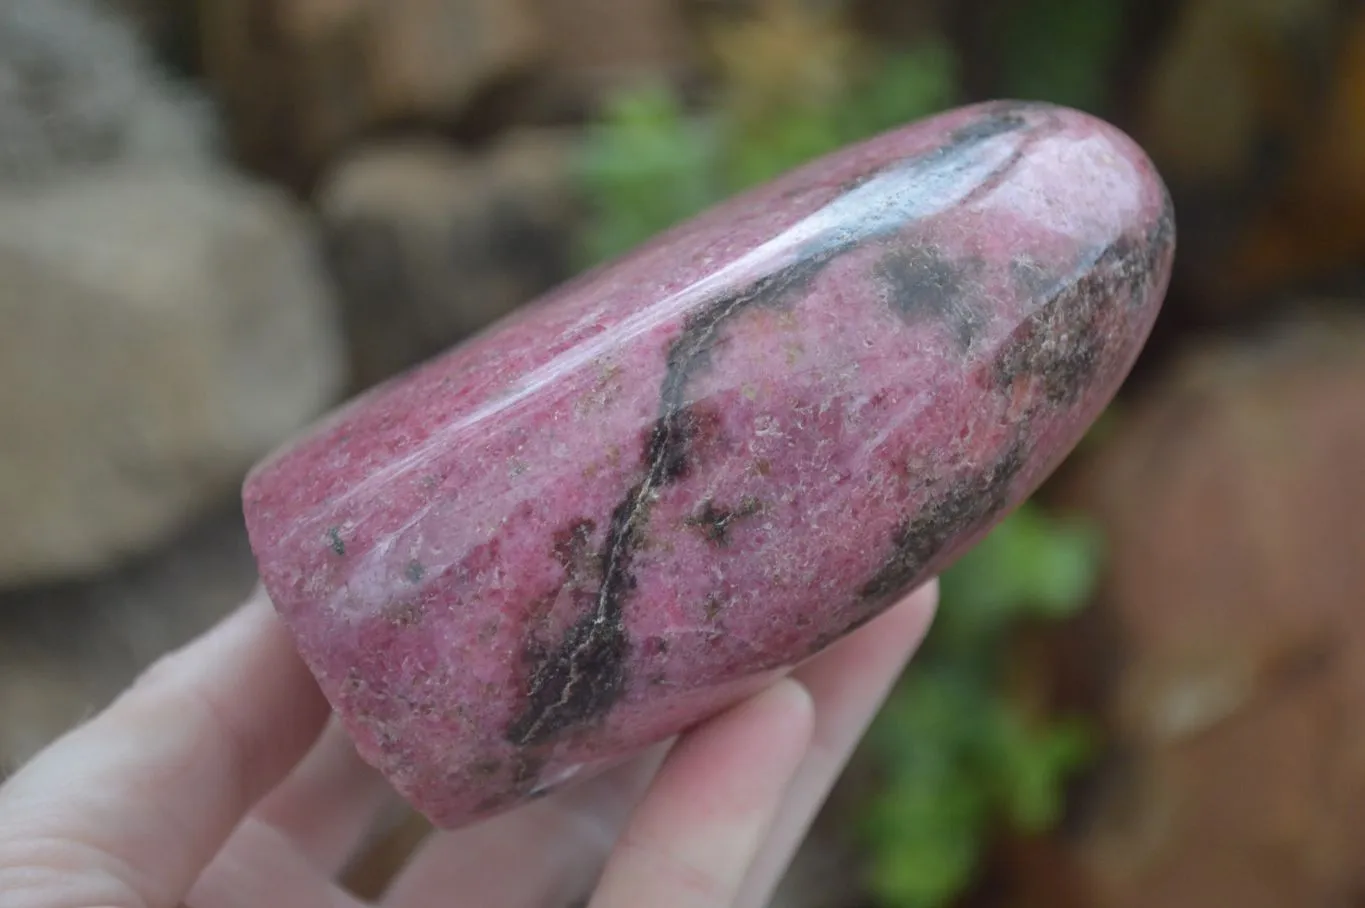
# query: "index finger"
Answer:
x=129 y=808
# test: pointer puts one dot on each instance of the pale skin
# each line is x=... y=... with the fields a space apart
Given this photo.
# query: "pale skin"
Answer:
x=217 y=781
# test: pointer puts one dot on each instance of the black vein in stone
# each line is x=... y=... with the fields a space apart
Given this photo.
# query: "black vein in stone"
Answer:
x=965 y=505
x=581 y=678
x=586 y=673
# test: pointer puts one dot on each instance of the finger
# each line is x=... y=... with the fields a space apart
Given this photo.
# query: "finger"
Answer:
x=549 y=848
x=704 y=820
x=128 y=809
x=263 y=867
x=327 y=805
x=290 y=847
x=848 y=682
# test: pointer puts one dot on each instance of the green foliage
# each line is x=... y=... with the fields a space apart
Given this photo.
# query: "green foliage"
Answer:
x=646 y=167
x=956 y=754
x=897 y=89
x=913 y=83
x=649 y=164
x=1029 y=567
x=1060 y=50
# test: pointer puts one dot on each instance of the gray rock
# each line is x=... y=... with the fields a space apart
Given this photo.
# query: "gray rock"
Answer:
x=428 y=244
x=78 y=89
x=299 y=79
x=158 y=333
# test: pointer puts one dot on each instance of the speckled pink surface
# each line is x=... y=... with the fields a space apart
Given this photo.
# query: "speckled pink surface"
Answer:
x=610 y=515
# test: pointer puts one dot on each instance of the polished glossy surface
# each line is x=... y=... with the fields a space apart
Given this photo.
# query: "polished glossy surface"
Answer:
x=615 y=512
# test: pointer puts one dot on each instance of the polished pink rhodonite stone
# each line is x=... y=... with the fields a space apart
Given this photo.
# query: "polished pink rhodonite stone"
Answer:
x=615 y=512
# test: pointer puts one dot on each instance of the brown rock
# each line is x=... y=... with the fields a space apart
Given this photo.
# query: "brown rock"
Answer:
x=159 y=332
x=299 y=78
x=429 y=244
x=1225 y=77
x=601 y=47
x=1255 y=114
x=1232 y=500
x=1313 y=226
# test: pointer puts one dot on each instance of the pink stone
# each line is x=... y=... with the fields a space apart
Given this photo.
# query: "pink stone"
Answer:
x=630 y=503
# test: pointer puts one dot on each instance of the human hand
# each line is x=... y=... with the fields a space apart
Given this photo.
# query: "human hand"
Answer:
x=217 y=782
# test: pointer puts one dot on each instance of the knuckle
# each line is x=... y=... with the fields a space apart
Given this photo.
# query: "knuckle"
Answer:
x=38 y=871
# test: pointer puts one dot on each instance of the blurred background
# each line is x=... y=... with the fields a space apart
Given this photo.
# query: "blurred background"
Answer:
x=218 y=218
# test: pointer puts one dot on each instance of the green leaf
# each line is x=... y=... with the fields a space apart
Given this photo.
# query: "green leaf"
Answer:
x=646 y=167
x=762 y=151
x=904 y=87
x=927 y=823
x=931 y=870
x=1059 y=50
x=1034 y=764
x=1064 y=569
x=1028 y=566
